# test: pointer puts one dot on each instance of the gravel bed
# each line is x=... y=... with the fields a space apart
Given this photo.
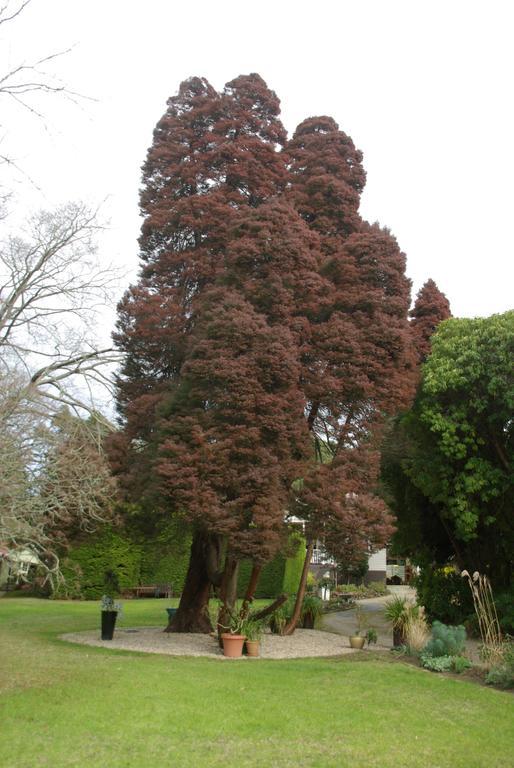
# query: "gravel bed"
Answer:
x=304 y=643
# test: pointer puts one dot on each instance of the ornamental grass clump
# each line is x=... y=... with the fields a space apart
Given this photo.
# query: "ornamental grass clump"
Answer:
x=401 y=613
x=416 y=632
x=492 y=643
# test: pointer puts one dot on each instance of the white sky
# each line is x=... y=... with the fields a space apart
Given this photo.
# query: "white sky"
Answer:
x=423 y=88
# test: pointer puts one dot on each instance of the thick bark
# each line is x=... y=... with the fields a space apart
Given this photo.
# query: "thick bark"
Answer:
x=291 y=626
x=193 y=610
x=250 y=589
x=213 y=560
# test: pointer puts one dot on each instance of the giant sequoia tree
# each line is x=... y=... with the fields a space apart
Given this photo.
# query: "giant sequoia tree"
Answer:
x=268 y=328
x=430 y=308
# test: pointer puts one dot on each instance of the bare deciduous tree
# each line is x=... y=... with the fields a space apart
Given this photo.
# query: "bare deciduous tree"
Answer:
x=55 y=483
x=53 y=289
x=52 y=293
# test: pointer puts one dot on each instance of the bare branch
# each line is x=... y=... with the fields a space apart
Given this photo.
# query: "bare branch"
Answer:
x=3 y=9
x=25 y=81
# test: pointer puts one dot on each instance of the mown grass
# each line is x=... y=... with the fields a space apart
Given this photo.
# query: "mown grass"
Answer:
x=69 y=705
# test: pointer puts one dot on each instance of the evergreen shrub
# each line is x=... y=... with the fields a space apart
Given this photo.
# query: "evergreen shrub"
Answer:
x=505 y=608
x=445 y=640
x=445 y=596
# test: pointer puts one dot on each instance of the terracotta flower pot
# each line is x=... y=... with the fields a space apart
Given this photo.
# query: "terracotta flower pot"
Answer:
x=253 y=648
x=233 y=645
x=357 y=642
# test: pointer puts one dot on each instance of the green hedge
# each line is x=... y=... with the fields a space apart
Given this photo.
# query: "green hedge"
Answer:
x=282 y=574
x=294 y=564
x=165 y=558
x=112 y=562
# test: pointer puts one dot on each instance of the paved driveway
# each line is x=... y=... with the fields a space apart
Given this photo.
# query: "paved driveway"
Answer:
x=343 y=622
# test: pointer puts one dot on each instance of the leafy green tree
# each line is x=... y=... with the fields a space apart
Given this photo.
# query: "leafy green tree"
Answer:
x=454 y=490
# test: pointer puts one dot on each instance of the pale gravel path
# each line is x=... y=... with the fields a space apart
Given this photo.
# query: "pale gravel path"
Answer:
x=303 y=643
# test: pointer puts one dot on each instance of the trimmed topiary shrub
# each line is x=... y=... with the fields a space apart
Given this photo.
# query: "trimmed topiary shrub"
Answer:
x=294 y=563
x=282 y=574
x=270 y=581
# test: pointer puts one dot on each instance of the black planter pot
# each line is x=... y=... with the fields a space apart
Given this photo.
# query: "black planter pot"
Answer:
x=108 y=622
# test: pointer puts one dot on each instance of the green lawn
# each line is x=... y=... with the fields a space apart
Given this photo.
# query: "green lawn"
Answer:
x=69 y=705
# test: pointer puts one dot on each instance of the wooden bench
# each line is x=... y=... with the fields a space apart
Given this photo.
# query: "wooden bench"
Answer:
x=149 y=590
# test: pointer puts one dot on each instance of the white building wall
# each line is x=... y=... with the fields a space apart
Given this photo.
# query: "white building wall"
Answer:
x=378 y=561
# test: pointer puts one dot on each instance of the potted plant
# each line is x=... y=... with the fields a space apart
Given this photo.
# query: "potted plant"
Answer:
x=399 y=612
x=233 y=640
x=110 y=611
x=253 y=629
x=358 y=639
x=312 y=608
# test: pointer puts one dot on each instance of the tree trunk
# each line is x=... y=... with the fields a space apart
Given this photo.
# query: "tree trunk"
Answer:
x=250 y=590
x=291 y=626
x=193 y=611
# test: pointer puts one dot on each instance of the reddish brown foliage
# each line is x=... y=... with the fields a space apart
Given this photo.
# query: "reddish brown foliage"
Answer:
x=430 y=308
x=357 y=364
x=233 y=436
x=267 y=310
